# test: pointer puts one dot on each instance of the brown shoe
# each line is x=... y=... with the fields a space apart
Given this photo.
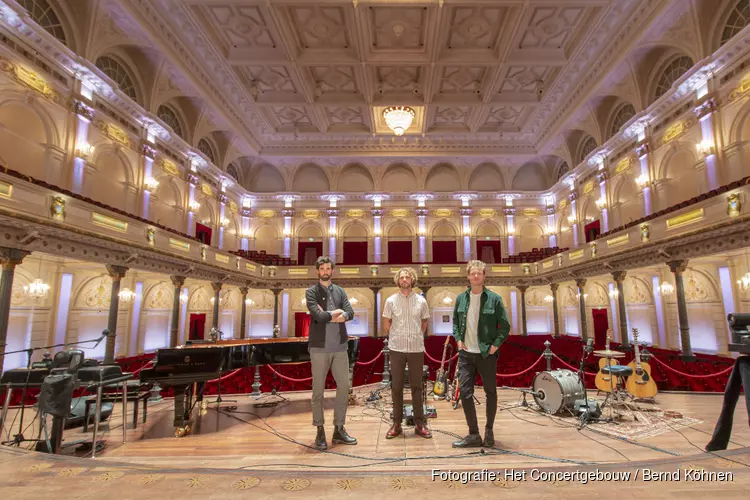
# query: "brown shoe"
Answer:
x=394 y=431
x=422 y=430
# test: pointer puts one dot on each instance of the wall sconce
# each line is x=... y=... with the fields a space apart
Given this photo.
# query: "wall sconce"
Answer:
x=332 y=232
x=734 y=205
x=183 y=297
x=467 y=232
x=425 y=270
x=666 y=289
x=224 y=222
x=194 y=205
x=571 y=219
x=373 y=270
x=126 y=295
x=549 y=230
x=247 y=234
x=84 y=150
x=585 y=296
x=601 y=203
x=705 y=148
x=150 y=183
x=642 y=180
x=511 y=231
x=287 y=232
x=447 y=301
x=549 y=299
x=614 y=294
x=421 y=233
x=249 y=302
x=353 y=301
x=645 y=232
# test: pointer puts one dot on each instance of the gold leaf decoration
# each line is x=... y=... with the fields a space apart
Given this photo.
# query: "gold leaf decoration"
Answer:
x=588 y=187
x=197 y=482
x=401 y=483
x=37 y=467
x=296 y=484
x=487 y=213
x=265 y=214
x=355 y=213
x=504 y=483
x=311 y=214
x=348 y=484
x=108 y=476
x=532 y=212
x=399 y=213
x=233 y=207
x=150 y=478
x=454 y=484
x=207 y=190
x=71 y=471
x=246 y=484
x=563 y=203
x=623 y=165
x=443 y=212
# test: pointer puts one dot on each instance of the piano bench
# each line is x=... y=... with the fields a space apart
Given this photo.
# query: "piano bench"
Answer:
x=115 y=397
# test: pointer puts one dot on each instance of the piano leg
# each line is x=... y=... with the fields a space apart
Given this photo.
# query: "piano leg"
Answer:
x=97 y=418
x=124 y=410
x=256 y=383
x=56 y=434
x=6 y=404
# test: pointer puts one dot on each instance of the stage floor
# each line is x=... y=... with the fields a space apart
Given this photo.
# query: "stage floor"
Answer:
x=266 y=447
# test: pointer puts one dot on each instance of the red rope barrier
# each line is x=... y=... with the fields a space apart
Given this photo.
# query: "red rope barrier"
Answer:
x=572 y=367
x=439 y=360
x=365 y=363
x=520 y=373
x=290 y=379
x=136 y=372
x=230 y=374
x=723 y=372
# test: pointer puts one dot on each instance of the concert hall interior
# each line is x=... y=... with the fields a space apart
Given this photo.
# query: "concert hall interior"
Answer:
x=170 y=170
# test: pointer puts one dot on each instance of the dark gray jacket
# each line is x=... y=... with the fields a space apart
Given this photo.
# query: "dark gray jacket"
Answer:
x=316 y=296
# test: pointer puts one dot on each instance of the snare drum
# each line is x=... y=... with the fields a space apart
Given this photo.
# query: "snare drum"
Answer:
x=557 y=390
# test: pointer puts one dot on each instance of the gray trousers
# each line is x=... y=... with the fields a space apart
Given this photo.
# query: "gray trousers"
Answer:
x=338 y=364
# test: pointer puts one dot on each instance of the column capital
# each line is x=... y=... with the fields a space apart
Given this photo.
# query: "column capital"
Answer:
x=522 y=288
x=678 y=266
x=117 y=272
x=619 y=276
x=581 y=282
x=244 y=290
x=376 y=289
x=11 y=257
x=177 y=281
x=277 y=291
x=554 y=286
x=216 y=286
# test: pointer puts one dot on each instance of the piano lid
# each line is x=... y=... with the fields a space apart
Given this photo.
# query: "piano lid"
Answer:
x=252 y=341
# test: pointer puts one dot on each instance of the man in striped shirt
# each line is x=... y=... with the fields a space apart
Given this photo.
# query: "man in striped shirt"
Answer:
x=405 y=319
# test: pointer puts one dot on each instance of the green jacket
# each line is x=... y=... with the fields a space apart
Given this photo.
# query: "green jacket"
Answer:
x=493 y=327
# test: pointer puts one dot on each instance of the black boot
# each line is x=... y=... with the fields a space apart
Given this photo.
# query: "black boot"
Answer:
x=470 y=441
x=320 y=439
x=489 y=438
x=340 y=436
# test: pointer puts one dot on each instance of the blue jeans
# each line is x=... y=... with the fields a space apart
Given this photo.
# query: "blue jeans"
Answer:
x=739 y=377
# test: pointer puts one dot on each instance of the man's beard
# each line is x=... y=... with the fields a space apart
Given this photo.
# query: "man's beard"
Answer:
x=405 y=286
x=324 y=277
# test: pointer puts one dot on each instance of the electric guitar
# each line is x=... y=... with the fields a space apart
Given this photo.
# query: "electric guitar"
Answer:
x=603 y=381
x=640 y=384
x=441 y=376
x=455 y=395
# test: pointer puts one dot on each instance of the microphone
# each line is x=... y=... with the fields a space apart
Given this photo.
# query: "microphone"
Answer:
x=99 y=340
x=590 y=346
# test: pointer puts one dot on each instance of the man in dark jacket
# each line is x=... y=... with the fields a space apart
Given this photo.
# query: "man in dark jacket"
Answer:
x=480 y=326
x=328 y=342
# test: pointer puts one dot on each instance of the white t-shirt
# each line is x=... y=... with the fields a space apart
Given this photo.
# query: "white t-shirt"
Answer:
x=471 y=338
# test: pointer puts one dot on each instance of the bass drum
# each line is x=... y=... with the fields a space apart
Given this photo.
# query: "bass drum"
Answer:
x=557 y=390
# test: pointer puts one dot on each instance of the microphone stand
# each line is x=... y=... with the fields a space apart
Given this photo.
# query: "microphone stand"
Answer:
x=584 y=418
x=19 y=438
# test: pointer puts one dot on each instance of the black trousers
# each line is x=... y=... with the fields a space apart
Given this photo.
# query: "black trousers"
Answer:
x=739 y=377
x=415 y=360
x=469 y=364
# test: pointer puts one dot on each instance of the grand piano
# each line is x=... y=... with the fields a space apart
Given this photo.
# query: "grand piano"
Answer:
x=188 y=367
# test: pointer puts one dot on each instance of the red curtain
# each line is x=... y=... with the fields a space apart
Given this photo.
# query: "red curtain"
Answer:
x=592 y=230
x=301 y=324
x=494 y=245
x=302 y=247
x=444 y=252
x=399 y=252
x=355 y=252
x=203 y=233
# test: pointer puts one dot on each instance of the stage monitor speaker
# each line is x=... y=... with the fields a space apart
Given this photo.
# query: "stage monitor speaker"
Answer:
x=56 y=394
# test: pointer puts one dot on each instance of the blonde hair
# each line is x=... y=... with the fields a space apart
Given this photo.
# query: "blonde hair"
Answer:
x=408 y=270
x=476 y=264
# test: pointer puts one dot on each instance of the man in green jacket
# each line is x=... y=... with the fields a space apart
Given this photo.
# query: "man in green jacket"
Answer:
x=480 y=326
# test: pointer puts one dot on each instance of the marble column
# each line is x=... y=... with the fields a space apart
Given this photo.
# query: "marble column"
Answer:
x=117 y=273
x=217 y=300
x=522 y=289
x=581 y=283
x=243 y=311
x=555 y=312
x=276 y=293
x=9 y=258
x=376 y=307
x=678 y=267
x=174 y=329
x=619 y=277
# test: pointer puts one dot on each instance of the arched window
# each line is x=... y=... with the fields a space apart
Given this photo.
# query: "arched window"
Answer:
x=205 y=147
x=168 y=116
x=118 y=74
x=625 y=113
x=562 y=170
x=672 y=73
x=41 y=12
x=233 y=172
x=587 y=148
x=738 y=19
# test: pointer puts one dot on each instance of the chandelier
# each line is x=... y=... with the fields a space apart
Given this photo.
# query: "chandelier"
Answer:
x=398 y=118
x=744 y=282
x=666 y=288
x=37 y=289
x=126 y=295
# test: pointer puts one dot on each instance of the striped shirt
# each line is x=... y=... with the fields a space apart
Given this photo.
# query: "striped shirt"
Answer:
x=406 y=313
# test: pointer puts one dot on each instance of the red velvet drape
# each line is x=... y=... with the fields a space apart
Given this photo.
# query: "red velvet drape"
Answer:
x=355 y=252
x=203 y=233
x=301 y=324
x=444 y=252
x=592 y=230
x=302 y=246
x=399 y=252
x=494 y=245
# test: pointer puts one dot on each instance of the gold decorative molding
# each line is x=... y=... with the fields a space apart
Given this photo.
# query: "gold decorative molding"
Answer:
x=501 y=269
x=109 y=222
x=487 y=213
x=311 y=214
x=348 y=270
x=624 y=164
x=619 y=240
x=399 y=213
x=29 y=79
x=450 y=269
x=265 y=214
x=116 y=134
x=740 y=90
x=355 y=213
x=233 y=207
x=442 y=212
x=298 y=271
x=6 y=190
x=207 y=190
x=168 y=166
x=588 y=187
x=532 y=212
x=547 y=264
x=224 y=259
x=575 y=254
x=563 y=203
x=675 y=131
x=250 y=267
x=179 y=244
x=685 y=219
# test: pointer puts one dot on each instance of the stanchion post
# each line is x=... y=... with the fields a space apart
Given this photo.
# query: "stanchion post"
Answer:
x=386 y=366
x=548 y=354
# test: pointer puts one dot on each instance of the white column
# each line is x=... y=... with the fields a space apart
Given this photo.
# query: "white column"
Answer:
x=377 y=228
x=422 y=229
x=708 y=145
x=193 y=204
x=82 y=149
x=603 y=196
x=333 y=215
x=466 y=227
x=575 y=223
x=659 y=305
x=288 y=213
x=149 y=183
x=643 y=153
x=614 y=309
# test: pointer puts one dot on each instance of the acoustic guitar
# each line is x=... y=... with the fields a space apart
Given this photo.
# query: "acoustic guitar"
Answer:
x=603 y=381
x=640 y=384
x=441 y=377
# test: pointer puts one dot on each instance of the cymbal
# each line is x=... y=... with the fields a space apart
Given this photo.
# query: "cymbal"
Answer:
x=609 y=354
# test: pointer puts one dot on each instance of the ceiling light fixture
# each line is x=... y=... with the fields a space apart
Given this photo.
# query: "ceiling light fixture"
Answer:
x=398 y=118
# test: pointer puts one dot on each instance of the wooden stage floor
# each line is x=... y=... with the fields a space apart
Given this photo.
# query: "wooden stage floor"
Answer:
x=270 y=445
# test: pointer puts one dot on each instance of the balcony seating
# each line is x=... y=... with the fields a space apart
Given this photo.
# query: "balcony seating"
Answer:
x=678 y=206
x=536 y=254
x=266 y=259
